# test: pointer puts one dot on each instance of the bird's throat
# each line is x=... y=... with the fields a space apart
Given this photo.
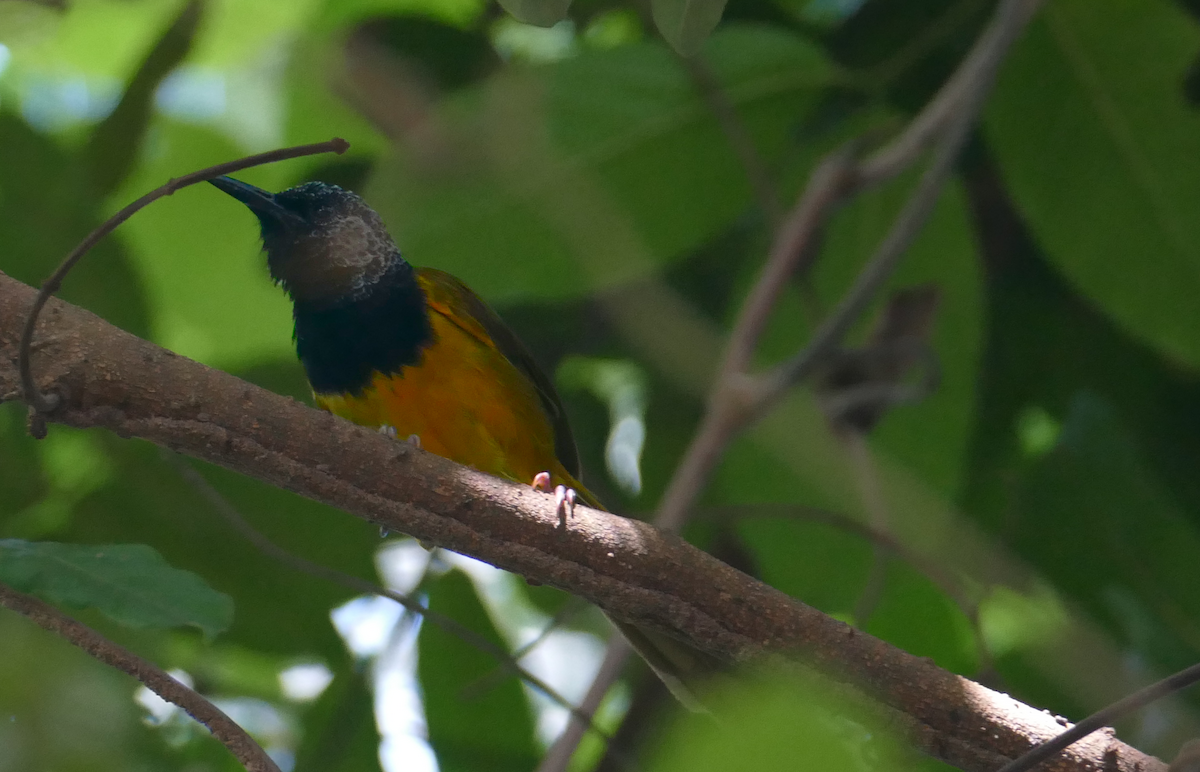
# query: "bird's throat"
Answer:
x=382 y=327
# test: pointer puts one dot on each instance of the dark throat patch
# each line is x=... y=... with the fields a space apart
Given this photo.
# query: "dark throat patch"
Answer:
x=381 y=328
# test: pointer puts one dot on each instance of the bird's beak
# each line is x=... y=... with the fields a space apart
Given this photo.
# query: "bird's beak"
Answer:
x=258 y=200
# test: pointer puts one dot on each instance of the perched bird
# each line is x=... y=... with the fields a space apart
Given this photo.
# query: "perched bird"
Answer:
x=414 y=352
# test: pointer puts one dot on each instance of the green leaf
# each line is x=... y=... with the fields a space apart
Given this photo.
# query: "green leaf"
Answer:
x=1098 y=521
x=47 y=210
x=779 y=721
x=821 y=565
x=1102 y=154
x=686 y=24
x=541 y=13
x=471 y=729
x=130 y=583
x=91 y=39
x=280 y=610
x=594 y=170
x=114 y=144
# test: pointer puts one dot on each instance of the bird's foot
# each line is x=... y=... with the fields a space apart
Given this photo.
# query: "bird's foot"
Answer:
x=390 y=431
x=564 y=503
x=564 y=497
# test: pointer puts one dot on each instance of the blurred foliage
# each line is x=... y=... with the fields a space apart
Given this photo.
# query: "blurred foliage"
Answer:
x=1045 y=498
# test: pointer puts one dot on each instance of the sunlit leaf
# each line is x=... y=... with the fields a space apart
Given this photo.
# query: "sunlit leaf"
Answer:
x=130 y=583
x=341 y=13
x=98 y=39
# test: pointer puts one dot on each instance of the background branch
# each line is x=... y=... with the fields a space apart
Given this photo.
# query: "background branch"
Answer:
x=737 y=398
x=635 y=572
x=154 y=678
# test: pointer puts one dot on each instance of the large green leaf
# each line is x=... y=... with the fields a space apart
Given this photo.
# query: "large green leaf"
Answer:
x=130 y=583
x=91 y=39
x=281 y=610
x=470 y=729
x=553 y=181
x=114 y=144
x=1102 y=154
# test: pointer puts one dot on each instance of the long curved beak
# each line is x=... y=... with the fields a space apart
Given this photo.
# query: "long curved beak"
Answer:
x=258 y=200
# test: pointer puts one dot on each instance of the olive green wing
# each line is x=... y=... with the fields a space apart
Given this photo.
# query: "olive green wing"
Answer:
x=475 y=317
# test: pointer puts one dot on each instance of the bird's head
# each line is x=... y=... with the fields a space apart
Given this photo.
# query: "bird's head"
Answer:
x=323 y=243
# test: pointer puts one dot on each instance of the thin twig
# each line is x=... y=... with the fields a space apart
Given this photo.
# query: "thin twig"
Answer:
x=728 y=405
x=241 y=745
x=960 y=102
x=486 y=681
x=1105 y=717
x=737 y=398
x=44 y=403
x=972 y=78
x=882 y=539
x=351 y=582
x=616 y=655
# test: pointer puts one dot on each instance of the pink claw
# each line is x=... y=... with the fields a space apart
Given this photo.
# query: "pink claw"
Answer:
x=564 y=503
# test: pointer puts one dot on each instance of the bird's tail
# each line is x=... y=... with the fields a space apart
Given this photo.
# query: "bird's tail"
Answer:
x=679 y=666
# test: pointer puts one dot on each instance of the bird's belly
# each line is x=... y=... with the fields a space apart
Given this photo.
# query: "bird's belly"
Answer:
x=468 y=411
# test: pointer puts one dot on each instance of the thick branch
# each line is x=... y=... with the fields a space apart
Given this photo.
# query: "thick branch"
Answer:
x=110 y=379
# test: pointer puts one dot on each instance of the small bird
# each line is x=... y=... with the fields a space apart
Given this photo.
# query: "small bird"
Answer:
x=415 y=353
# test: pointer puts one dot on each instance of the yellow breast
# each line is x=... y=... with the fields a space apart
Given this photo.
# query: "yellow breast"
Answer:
x=466 y=402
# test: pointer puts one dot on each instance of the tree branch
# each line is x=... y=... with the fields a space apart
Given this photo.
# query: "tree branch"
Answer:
x=232 y=736
x=637 y=573
x=508 y=663
x=739 y=398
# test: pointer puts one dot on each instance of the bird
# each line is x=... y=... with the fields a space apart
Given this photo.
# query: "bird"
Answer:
x=413 y=352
